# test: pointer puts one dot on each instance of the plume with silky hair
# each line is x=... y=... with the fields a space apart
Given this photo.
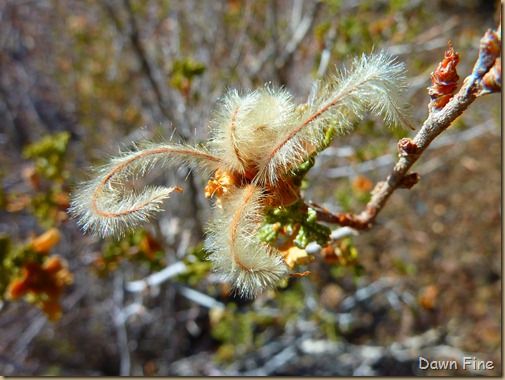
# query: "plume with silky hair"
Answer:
x=245 y=126
x=105 y=206
x=375 y=83
x=239 y=257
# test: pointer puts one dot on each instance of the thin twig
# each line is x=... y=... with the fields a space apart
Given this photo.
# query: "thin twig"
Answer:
x=199 y=297
x=475 y=85
x=164 y=101
x=388 y=159
x=290 y=47
x=20 y=349
x=298 y=35
x=237 y=50
x=119 y=319
x=157 y=278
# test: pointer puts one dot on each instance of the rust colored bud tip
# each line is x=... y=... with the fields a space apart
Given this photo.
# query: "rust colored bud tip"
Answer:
x=491 y=82
x=353 y=221
x=491 y=43
x=304 y=274
x=177 y=188
x=445 y=79
x=409 y=181
x=406 y=147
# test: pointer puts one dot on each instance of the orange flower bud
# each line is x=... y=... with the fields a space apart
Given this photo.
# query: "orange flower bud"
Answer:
x=362 y=184
x=428 y=297
x=52 y=308
x=43 y=243
x=49 y=279
x=219 y=185
x=16 y=289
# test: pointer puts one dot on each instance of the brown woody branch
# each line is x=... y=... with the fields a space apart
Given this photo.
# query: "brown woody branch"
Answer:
x=444 y=108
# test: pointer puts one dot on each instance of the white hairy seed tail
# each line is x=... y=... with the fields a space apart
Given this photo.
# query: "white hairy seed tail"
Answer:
x=239 y=257
x=245 y=126
x=105 y=206
x=375 y=83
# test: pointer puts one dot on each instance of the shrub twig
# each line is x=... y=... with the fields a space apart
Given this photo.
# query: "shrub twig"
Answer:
x=444 y=108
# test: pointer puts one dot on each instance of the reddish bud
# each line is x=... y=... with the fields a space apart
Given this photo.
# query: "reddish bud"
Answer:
x=491 y=82
x=491 y=43
x=409 y=180
x=406 y=147
x=444 y=80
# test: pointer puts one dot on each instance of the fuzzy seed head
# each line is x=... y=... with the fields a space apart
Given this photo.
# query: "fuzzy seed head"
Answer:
x=258 y=141
x=245 y=126
x=375 y=83
x=106 y=206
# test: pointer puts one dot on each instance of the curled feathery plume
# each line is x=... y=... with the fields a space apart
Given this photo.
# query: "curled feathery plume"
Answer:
x=106 y=206
x=245 y=126
x=239 y=256
x=375 y=83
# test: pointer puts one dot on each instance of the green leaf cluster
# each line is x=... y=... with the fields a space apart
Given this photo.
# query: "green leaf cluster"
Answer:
x=138 y=247
x=283 y=223
x=48 y=155
x=197 y=266
x=183 y=71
